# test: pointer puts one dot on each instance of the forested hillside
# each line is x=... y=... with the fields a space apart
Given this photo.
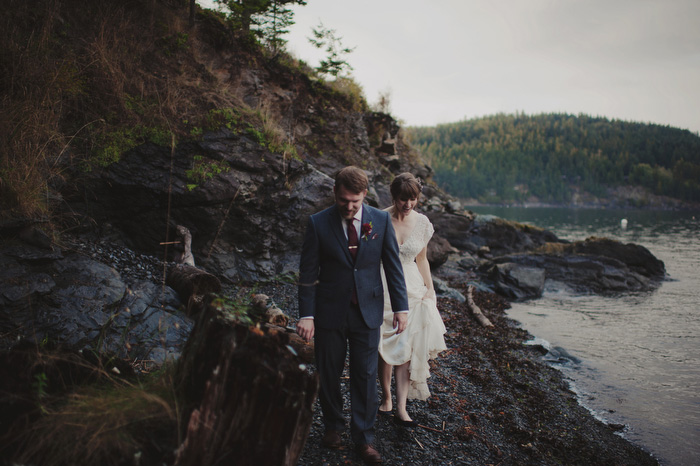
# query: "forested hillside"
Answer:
x=550 y=157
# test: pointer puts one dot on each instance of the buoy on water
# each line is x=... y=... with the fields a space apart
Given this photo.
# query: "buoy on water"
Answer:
x=623 y=223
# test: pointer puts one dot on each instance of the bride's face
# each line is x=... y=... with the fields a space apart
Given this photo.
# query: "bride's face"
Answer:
x=405 y=206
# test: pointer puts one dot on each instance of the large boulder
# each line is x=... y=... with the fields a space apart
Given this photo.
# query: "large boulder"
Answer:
x=516 y=282
x=71 y=299
x=439 y=250
x=515 y=259
x=454 y=227
x=595 y=265
x=504 y=237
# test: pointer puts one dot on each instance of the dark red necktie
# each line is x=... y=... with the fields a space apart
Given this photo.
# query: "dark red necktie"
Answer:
x=352 y=239
x=353 y=243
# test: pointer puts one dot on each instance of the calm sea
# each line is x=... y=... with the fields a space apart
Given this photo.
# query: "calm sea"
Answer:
x=634 y=359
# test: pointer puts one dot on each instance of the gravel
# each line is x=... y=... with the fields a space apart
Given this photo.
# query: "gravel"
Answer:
x=493 y=401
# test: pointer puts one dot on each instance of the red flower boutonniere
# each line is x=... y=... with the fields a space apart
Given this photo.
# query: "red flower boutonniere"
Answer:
x=367 y=230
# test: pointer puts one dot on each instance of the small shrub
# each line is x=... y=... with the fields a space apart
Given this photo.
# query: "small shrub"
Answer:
x=174 y=43
x=113 y=144
x=256 y=135
x=225 y=117
x=203 y=170
x=349 y=88
x=237 y=309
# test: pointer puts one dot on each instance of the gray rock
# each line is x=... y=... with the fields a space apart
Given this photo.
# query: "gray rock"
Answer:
x=443 y=290
x=87 y=306
x=517 y=282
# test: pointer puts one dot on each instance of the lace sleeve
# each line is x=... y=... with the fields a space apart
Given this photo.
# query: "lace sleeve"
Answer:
x=428 y=230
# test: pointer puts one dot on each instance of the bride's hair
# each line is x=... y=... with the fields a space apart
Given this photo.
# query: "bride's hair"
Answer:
x=405 y=186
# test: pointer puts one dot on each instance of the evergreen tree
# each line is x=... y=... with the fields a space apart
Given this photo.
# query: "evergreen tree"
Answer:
x=334 y=64
x=266 y=19
x=276 y=21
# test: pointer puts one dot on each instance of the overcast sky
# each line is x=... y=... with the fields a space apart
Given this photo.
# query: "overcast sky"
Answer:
x=446 y=60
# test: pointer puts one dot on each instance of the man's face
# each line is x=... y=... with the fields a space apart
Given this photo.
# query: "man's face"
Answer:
x=348 y=202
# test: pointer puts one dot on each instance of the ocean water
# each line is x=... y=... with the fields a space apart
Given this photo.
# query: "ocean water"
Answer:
x=634 y=359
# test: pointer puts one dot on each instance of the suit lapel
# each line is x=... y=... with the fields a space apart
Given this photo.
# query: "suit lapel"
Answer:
x=337 y=229
x=366 y=218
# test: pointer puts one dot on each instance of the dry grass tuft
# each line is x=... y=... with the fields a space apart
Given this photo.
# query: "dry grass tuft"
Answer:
x=552 y=248
x=102 y=424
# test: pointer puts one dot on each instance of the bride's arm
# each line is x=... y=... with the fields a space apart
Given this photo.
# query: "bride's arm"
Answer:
x=424 y=269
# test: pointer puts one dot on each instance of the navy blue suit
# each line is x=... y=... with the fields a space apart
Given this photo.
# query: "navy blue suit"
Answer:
x=327 y=275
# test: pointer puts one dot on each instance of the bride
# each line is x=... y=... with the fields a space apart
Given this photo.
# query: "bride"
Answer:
x=408 y=352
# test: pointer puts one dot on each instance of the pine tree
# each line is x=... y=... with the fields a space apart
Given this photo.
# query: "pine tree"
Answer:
x=334 y=64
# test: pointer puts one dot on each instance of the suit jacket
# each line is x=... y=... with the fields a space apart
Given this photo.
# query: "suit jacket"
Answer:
x=327 y=272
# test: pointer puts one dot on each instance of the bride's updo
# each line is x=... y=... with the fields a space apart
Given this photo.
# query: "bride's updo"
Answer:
x=405 y=186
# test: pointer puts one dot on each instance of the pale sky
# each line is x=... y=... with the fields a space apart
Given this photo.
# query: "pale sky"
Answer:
x=446 y=60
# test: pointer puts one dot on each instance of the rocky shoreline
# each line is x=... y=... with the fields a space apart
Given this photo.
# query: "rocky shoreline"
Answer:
x=493 y=401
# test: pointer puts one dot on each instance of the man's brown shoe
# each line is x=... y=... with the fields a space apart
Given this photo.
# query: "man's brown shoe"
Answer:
x=368 y=454
x=331 y=439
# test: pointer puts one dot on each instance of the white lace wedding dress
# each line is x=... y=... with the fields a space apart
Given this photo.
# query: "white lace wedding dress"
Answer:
x=424 y=337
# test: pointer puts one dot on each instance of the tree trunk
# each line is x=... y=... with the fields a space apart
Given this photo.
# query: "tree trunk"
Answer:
x=246 y=394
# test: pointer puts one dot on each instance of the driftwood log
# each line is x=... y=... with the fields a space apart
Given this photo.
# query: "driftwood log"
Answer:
x=190 y=283
x=267 y=311
x=246 y=394
x=475 y=310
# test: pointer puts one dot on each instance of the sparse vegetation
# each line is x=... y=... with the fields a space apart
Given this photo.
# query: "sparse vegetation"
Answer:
x=114 y=422
x=349 y=88
x=78 y=91
x=203 y=170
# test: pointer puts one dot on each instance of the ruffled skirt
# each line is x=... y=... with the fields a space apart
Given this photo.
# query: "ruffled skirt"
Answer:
x=423 y=338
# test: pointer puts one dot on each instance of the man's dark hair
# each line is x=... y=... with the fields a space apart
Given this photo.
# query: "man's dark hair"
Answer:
x=353 y=179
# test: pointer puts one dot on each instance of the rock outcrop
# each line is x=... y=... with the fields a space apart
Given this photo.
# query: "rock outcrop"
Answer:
x=74 y=298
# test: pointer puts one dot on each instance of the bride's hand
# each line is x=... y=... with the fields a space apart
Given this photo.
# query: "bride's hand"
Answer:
x=430 y=294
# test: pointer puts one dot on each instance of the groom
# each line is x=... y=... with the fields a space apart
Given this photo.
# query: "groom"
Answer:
x=341 y=301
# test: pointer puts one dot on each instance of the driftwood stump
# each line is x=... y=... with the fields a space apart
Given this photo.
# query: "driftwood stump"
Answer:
x=183 y=246
x=247 y=395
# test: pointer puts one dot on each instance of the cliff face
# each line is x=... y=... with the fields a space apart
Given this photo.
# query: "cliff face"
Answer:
x=245 y=184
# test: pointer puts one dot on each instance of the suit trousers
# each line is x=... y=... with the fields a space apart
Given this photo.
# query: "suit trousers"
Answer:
x=330 y=349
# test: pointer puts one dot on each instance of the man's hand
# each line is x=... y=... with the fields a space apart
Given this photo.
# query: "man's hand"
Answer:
x=400 y=321
x=305 y=329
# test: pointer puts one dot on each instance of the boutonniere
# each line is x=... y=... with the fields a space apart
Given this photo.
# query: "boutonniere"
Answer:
x=367 y=230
